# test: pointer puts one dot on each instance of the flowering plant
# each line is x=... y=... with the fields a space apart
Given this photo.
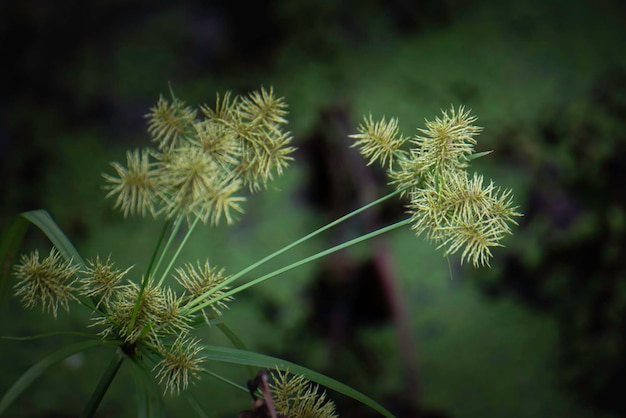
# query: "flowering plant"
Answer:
x=198 y=169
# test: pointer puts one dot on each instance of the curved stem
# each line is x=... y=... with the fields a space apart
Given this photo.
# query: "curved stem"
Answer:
x=290 y=246
x=301 y=262
x=156 y=249
x=173 y=234
x=103 y=385
x=178 y=250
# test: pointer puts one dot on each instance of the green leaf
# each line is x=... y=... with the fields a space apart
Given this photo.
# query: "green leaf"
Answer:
x=236 y=341
x=40 y=367
x=479 y=154
x=149 y=400
x=104 y=384
x=195 y=405
x=42 y=220
x=9 y=244
x=233 y=355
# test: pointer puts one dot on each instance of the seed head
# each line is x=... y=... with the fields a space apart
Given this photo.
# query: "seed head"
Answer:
x=101 y=279
x=181 y=364
x=294 y=396
x=448 y=141
x=47 y=282
x=379 y=141
x=169 y=122
x=198 y=281
x=134 y=185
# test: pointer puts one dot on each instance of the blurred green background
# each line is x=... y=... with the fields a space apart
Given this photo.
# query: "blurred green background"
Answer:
x=540 y=334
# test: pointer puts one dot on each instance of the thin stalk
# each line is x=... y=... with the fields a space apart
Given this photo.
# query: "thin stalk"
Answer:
x=301 y=262
x=156 y=249
x=103 y=385
x=146 y=278
x=173 y=234
x=178 y=250
x=290 y=246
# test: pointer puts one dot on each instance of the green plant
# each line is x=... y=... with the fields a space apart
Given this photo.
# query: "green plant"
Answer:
x=197 y=172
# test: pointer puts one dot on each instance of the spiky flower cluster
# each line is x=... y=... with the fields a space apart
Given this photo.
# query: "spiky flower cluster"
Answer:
x=47 y=282
x=196 y=170
x=295 y=397
x=455 y=210
x=200 y=165
x=145 y=315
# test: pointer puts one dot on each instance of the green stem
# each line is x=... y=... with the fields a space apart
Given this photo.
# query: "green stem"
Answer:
x=146 y=278
x=288 y=247
x=178 y=250
x=103 y=385
x=156 y=249
x=173 y=234
x=301 y=262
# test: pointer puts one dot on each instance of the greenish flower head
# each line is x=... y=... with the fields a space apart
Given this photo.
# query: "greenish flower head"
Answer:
x=48 y=282
x=294 y=396
x=200 y=166
x=181 y=364
x=456 y=211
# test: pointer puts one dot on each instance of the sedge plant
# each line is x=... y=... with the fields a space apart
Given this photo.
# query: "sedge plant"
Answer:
x=197 y=170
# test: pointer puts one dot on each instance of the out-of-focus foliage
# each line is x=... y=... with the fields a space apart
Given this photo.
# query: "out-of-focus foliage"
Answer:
x=570 y=260
x=546 y=78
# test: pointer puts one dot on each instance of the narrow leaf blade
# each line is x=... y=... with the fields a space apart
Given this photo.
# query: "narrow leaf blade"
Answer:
x=236 y=356
x=42 y=220
x=9 y=244
x=40 y=367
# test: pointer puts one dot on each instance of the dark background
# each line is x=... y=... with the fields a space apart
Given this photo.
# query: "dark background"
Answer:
x=541 y=333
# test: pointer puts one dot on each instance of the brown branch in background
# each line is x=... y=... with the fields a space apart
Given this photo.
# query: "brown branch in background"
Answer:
x=347 y=183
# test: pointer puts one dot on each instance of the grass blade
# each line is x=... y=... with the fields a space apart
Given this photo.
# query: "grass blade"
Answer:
x=9 y=244
x=236 y=356
x=149 y=400
x=103 y=385
x=40 y=367
x=42 y=220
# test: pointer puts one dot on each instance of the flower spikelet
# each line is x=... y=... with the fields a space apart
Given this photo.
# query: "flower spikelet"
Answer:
x=194 y=184
x=168 y=122
x=264 y=107
x=218 y=141
x=180 y=365
x=172 y=319
x=134 y=185
x=295 y=397
x=150 y=308
x=458 y=211
x=200 y=280
x=448 y=141
x=379 y=141
x=47 y=282
x=101 y=279
x=265 y=147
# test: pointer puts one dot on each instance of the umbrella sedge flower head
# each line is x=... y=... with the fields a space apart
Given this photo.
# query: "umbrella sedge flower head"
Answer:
x=294 y=396
x=151 y=304
x=181 y=363
x=200 y=280
x=456 y=211
x=461 y=212
x=448 y=141
x=379 y=140
x=101 y=279
x=202 y=163
x=47 y=282
x=168 y=122
x=134 y=185
x=172 y=320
